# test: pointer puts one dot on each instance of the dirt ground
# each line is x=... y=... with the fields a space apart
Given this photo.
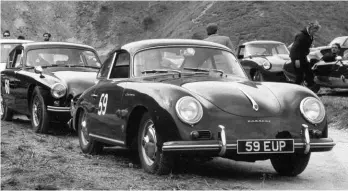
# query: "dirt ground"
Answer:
x=55 y=161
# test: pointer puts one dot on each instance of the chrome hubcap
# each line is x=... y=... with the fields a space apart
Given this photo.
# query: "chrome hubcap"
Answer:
x=84 y=132
x=36 y=111
x=149 y=143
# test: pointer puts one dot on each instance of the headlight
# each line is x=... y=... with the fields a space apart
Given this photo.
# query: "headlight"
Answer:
x=266 y=64
x=189 y=110
x=58 y=90
x=312 y=110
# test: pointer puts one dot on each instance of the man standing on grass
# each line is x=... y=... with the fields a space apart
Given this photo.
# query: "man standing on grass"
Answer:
x=212 y=29
x=299 y=51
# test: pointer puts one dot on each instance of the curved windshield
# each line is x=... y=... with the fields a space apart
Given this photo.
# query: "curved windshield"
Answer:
x=5 y=50
x=186 y=59
x=65 y=57
x=265 y=49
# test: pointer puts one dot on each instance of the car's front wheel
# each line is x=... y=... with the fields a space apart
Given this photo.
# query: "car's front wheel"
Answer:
x=151 y=158
x=6 y=113
x=39 y=116
x=87 y=144
x=290 y=164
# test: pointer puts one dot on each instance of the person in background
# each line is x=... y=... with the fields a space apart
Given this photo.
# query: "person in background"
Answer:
x=6 y=33
x=212 y=29
x=335 y=51
x=21 y=37
x=299 y=51
x=47 y=36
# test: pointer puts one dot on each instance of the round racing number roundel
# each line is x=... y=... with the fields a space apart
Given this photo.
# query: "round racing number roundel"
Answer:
x=103 y=103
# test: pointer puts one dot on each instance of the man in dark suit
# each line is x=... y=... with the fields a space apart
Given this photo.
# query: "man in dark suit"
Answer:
x=47 y=36
x=214 y=37
x=300 y=50
x=335 y=51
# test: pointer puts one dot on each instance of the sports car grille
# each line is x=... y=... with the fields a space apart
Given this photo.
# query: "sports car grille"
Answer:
x=204 y=134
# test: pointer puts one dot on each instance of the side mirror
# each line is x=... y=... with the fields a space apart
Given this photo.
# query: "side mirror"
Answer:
x=240 y=56
x=338 y=58
x=39 y=70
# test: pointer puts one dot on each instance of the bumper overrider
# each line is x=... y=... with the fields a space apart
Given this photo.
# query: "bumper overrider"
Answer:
x=222 y=147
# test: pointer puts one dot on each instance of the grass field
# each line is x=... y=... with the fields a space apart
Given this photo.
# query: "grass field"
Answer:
x=336 y=104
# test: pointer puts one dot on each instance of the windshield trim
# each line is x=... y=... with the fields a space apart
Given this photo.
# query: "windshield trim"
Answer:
x=59 y=47
x=132 y=73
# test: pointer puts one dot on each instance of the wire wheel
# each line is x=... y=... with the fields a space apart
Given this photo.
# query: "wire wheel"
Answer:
x=36 y=111
x=84 y=131
x=149 y=143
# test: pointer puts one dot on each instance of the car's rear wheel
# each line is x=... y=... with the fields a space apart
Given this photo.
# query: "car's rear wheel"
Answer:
x=87 y=144
x=6 y=113
x=290 y=164
x=258 y=76
x=151 y=157
x=39 y=116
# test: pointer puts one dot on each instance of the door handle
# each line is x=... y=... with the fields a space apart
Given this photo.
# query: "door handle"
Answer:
x=94 y=96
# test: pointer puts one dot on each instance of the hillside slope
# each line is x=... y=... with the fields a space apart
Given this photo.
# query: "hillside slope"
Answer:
x=107 y=24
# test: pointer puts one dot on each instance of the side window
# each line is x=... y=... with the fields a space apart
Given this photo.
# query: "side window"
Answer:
x=104 y=70
x=121 y=67
x=241 y=52
x=345 y=44
x=17 y=57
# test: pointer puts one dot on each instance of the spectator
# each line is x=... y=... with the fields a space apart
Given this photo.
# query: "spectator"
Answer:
x=21 y=37
x=47 y=36
x=212 y=29
x=299 y=51
x=6 y=33
x=335 y=51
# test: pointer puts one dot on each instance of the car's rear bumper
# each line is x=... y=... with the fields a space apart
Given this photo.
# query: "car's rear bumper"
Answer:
x=225 y=147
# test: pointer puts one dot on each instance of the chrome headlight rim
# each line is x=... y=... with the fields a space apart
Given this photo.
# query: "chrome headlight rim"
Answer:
x=199 y=112
x=266 y=64
x=321 y=115
x=53 y=90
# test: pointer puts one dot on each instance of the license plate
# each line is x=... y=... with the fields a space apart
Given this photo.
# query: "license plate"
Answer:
x=251 y=146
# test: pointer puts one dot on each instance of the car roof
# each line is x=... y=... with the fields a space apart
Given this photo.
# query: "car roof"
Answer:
x=340 y=39
x=14 y=41
x=263 y=42
x=35 y=45
x=151 y=43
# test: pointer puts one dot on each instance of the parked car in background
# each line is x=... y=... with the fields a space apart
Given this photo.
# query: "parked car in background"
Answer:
x=166 y=98
x=263 y=60
x=6 y=45
x=42 y=78
x=316 y=53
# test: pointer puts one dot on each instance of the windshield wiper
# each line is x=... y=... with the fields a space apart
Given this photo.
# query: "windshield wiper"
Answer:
x=159 y=71
x=54 y=65
x=204 y=70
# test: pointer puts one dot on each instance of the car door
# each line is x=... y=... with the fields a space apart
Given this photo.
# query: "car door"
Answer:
x=110 y=93
x=10 y=81
x=94 y=124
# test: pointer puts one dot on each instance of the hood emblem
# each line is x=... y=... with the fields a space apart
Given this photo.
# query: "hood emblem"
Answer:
x=253 y=102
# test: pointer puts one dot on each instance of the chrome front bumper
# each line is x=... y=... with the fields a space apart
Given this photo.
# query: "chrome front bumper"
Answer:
x=221 y=147
x=58 y=109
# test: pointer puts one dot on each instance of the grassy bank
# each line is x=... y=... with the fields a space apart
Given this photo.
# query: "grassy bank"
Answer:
x=336 y=104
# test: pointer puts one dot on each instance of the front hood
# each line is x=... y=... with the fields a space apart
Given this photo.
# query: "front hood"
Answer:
x=76 y=81
x=278 y=61
x=237 y=97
